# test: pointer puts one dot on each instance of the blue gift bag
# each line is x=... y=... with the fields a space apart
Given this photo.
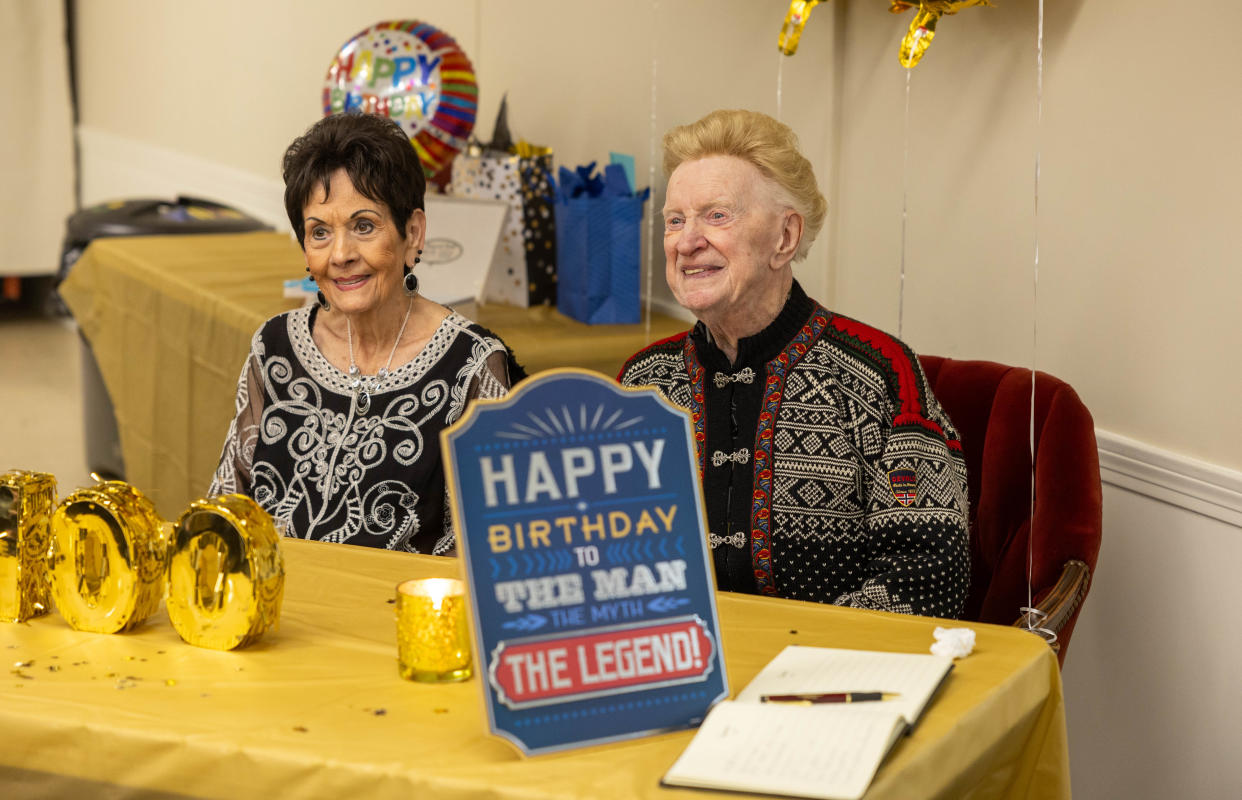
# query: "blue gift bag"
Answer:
x=598 y=245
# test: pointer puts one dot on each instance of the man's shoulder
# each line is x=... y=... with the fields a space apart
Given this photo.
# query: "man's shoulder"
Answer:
x=865 y=348
x=659 y=358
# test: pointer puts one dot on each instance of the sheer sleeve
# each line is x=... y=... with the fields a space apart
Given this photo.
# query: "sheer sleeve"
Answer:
x=493 y=380
x=233 y=472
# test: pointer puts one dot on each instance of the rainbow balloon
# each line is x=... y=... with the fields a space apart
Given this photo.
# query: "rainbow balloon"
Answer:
x=417 y=75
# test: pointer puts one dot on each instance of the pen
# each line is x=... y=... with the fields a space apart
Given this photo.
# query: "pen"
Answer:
x=831 y=697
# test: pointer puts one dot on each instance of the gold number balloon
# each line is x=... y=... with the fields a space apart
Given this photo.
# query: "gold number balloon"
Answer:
x=226 y=575
x=27 y=500
x=795 y=21
x=923 y=27
x=107 y=558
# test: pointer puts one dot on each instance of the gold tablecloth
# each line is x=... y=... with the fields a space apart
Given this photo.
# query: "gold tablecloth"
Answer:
x=317 y=709
x=169 y=319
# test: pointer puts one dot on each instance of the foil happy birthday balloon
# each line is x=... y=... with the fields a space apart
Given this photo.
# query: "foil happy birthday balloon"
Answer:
x=107 y=558
x=415 y=74
x=226 y=575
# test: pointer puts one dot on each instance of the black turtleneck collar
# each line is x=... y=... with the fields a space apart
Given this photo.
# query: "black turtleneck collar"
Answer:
x=753 y=351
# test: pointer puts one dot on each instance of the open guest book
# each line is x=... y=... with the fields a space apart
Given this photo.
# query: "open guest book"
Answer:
x=820 y=750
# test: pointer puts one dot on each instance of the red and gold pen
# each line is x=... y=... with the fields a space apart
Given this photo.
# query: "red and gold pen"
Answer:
x=830 y=697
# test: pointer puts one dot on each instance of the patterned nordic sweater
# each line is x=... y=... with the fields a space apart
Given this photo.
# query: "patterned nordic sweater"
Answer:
x=829 y=470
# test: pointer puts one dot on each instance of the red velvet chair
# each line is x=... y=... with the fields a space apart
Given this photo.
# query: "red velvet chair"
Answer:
x=990 y=405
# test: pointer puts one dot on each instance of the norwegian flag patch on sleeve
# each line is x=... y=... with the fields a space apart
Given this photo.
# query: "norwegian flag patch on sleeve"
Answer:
x=905 y=490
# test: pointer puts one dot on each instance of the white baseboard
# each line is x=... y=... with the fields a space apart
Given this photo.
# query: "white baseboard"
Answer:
x=1185 y=482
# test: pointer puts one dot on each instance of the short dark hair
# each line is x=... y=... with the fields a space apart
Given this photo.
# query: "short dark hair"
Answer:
x=375 y=153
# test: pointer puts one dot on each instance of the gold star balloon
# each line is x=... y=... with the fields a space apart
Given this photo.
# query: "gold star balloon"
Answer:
x=923 y=27
x=795 y=21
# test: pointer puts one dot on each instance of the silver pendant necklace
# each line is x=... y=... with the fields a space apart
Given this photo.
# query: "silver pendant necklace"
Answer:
x=364 y=386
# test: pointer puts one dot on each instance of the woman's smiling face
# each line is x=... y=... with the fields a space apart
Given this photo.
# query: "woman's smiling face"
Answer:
x=354 y=249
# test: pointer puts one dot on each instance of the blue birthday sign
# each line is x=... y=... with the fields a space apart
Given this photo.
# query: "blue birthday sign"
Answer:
x=580 y=520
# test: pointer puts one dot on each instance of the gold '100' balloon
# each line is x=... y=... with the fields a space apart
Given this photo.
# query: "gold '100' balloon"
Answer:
x=226 y=575
x=107 y=558
x=27 y=500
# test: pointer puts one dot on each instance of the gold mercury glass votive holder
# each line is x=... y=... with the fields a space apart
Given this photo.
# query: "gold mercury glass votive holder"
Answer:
x=433 y=637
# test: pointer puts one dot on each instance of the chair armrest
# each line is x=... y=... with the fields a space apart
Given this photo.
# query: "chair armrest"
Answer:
x=1054 y=607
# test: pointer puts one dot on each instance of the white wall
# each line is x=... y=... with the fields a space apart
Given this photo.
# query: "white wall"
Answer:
x=1152 y=696
x=36 y=137
x=1138 y=284
x=231 y=82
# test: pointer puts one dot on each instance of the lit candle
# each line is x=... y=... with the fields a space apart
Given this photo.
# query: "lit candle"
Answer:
x=27 y=500
x=433 y=638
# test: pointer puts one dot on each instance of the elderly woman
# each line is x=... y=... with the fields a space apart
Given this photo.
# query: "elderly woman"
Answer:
x=340 y=404
x=829 y=470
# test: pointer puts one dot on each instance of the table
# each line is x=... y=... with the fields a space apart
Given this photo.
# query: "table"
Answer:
x=169 y=319
x=317 y=709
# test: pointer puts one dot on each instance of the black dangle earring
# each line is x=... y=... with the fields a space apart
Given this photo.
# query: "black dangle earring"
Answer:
x=409 y=283
x=323 y=302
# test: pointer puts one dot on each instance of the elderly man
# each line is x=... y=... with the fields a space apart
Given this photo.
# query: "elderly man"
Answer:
x=829 y=470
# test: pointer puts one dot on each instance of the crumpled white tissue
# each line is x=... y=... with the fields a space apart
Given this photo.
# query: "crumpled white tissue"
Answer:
x=953 y=642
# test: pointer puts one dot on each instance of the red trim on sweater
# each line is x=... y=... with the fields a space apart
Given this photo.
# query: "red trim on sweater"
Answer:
x=907 y=386
x=921 y=421
x=911 y=412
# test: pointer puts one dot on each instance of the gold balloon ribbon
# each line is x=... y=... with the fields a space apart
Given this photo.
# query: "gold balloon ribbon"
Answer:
x=27 y=500
x=923 y=27
x=795 y=20
x=524 y=149
x=108 y=553
x=226 y=575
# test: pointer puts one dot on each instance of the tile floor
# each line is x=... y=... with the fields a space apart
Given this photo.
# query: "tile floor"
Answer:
x=41 y=424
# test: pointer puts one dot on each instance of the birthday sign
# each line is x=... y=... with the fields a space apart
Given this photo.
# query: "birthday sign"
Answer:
x=580 y=520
